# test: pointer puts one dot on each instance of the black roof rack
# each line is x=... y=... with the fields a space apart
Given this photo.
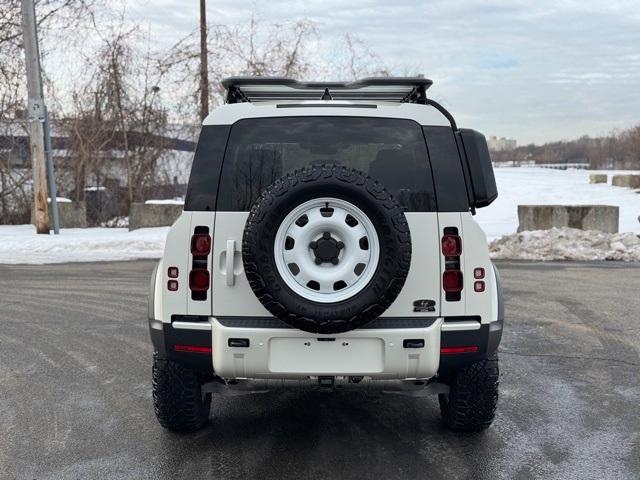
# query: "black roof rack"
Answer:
x=380 y=89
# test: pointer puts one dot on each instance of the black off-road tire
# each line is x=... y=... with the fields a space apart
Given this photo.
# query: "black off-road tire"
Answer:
x=307 y=184
x=178 y=400
x=470 y=405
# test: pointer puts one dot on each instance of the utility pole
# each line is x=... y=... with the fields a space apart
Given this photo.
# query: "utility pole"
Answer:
x=39 y=138
x=204 y=75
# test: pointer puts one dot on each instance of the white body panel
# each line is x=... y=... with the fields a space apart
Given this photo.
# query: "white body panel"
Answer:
x=423 y=279
x=291 y=353
x=229 y=114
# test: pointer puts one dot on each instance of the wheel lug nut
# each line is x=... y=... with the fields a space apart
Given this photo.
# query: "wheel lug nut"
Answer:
x=334 y=260
x=326 y=235
x=313 y=245
x=318 y=261
x=340 y=245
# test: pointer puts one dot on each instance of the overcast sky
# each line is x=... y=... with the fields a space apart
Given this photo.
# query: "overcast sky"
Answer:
x=532 y=70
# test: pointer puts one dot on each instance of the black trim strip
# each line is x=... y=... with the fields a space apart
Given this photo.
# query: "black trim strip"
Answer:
x=381 y=323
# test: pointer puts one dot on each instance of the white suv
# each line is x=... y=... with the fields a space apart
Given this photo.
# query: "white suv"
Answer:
x=327 y=241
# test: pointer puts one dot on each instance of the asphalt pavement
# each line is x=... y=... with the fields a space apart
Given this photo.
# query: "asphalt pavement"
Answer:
x=75 y=393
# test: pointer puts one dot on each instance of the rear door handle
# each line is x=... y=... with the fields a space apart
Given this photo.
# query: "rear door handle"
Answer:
x=231 y=251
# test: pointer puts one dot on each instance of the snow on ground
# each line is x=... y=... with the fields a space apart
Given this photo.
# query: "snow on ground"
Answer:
x=169 y=201
x=567 y=244
x=20 y=244
x=542 y=186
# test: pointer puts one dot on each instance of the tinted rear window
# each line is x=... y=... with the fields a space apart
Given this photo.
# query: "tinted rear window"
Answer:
x=205 y=171
x=449 y=176
x=260 y=151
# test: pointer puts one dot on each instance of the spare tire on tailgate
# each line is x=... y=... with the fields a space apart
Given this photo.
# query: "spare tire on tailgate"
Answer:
x=326 y=249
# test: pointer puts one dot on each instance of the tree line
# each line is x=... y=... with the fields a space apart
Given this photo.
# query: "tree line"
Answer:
x=619 y=150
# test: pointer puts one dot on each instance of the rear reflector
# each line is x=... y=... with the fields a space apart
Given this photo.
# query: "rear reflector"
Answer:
x=200 y=244
x=191 y=349
x=172 y=285
x=457 y=350
x=199 y=280
x=478 y=286
x=451 y=245
x=452 y=281
x=172 y=272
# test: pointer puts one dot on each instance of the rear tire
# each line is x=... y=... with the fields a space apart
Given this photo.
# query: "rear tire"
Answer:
x=470 y=405
x=178 y=400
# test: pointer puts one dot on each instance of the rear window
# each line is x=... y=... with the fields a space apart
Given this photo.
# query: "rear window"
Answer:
x=261 y=150
x=449 y=176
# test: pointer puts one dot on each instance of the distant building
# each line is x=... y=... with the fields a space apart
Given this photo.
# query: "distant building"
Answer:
x=501 y=144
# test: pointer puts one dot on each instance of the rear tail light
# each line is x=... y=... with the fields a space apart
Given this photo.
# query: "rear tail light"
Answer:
x=451 y=246
x=452 y=281
x=199 y=280
x=199 y=277
x=200 y=244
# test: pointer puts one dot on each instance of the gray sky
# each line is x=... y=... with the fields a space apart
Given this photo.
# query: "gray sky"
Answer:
x=532 y=70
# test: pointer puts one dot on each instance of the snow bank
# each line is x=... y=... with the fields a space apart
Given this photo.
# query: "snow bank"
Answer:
x=169 y=201
x=116 y=222
x=567 y=244
x=21 y=244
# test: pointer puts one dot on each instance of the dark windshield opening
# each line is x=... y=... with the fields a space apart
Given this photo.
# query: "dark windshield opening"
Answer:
x=261 y=150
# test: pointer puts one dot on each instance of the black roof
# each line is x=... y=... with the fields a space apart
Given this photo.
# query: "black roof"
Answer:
x=380 y=89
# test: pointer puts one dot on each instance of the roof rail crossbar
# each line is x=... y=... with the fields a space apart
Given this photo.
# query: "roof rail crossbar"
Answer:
x=382 y=89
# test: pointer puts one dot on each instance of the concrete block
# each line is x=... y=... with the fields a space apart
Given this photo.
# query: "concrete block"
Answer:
x=604 y=218
x=629 y=181
x=70 y=214
x=598 y=178
x=144 y=215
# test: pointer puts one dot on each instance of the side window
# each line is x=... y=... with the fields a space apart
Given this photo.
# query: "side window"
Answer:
x=205 y=171
x=451 y=190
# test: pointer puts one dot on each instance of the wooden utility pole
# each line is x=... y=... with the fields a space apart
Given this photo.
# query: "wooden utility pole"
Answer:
x=38 y=122
x=204 y=75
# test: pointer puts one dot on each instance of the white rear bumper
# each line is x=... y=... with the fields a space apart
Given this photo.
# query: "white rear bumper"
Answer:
x=293 y=354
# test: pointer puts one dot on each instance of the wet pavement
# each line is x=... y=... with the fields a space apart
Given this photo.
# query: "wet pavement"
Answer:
x=75 y=394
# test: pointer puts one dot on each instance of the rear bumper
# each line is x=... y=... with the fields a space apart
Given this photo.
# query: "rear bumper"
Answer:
x=381 y=353
x=239 y=349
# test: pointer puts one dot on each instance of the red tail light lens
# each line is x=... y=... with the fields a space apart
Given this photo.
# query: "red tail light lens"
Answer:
x=457 y=350
x=199 y=280
x=200 y=244
x=452 y=281
x=191 y=349
x=451 y=245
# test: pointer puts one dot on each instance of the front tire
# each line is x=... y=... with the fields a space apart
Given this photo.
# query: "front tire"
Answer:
x=178 y=400
x=470 y=405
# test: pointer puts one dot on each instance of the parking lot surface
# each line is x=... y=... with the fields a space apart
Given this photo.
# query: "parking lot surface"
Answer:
x=75 y=393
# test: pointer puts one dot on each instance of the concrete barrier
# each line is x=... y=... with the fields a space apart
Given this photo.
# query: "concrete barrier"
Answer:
x=629 y=181
x=145 y=215
x=70 y=214
x=604 y=218
x=598 y=178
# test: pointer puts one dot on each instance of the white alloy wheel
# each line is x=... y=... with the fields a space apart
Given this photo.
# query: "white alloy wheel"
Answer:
x=326 y=250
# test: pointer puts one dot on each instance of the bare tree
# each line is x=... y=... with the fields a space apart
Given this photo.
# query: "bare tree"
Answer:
x=118 y=125
x=60 y=16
